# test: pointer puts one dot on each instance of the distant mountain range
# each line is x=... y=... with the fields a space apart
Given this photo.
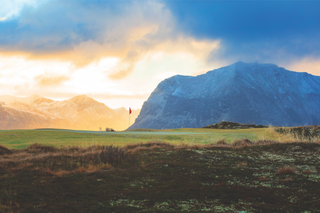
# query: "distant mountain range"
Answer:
x=79 y=112
x=242 y=92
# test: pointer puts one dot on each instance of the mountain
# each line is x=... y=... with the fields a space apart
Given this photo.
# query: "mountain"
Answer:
x=242 y=92
x=79 y=112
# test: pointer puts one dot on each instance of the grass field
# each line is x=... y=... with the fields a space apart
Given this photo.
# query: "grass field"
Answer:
x=21 y=139
x=158 y=171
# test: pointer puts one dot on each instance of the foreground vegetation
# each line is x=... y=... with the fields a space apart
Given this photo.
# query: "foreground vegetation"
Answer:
x=264 y=176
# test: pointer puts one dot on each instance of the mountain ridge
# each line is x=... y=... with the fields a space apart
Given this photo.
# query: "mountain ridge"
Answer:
x=242 y=92
x=79 y=112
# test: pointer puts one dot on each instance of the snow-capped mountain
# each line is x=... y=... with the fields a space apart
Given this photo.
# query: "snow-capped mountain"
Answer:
x=79 y=112
x=242 y=92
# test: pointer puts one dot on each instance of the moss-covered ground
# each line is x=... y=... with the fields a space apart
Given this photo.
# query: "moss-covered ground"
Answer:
x=265 y=176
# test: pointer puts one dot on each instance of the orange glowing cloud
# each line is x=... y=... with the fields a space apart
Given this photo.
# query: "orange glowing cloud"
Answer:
x=45 y=80
x=143 y=29
x=181 y=45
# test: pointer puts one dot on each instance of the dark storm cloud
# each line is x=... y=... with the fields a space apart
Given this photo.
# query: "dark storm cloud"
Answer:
x=253 y=30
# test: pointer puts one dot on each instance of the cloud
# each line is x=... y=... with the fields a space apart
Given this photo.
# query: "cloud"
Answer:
x=14 y=7
x=57 y=26
x=87 y=31
x=47 y=80
x=143 y=96
x=60 y=49
x=84 y=29
x=83 y=32
x=262 y=31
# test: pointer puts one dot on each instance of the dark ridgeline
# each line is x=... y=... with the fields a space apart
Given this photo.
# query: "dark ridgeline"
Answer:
x=233 y=125
x=248 y=93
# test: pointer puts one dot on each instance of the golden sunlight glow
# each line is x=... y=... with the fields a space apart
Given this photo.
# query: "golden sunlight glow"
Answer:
x=59 y=79
x=117 y=52
x=132 y=39
x=50 y=80
x=122 y=69
x=309 y=65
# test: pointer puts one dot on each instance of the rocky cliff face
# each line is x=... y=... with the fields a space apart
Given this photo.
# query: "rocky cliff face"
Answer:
x=245 y=93
x=79 y=112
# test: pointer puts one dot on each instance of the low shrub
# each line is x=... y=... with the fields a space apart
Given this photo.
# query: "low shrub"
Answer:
x=287 y=170
x=35 y=148
x=265 y=142
x=307 y=172
x=4 y=150
x=149 y=145
x=242 y=142
x=222 y=142
x=68 y=159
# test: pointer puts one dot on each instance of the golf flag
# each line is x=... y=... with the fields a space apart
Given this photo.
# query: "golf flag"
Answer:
x=130 y=111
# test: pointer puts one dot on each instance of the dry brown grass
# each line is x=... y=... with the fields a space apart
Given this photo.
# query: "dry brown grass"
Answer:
x=242 y=143
x=155 y=147
x=284 y=138
x=181 y=146
x=307 y=172
x=4 y=150
x=242 y=164
x=265 y=142
x=134 y=148
x=301 y=133
x=230 y=175
x=59 y=161
x=196 y=147
x=222 y=142
x=287 y=170
x=137 y=149
x=264 y=178
x=286 y=179
x=37 y=148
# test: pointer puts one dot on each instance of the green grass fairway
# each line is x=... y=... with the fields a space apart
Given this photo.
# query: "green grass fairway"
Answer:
x=20 y=139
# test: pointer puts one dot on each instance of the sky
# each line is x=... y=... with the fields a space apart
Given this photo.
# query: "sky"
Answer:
x=117 y=51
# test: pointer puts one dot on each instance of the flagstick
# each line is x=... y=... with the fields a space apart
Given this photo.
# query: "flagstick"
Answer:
x=129 y=115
